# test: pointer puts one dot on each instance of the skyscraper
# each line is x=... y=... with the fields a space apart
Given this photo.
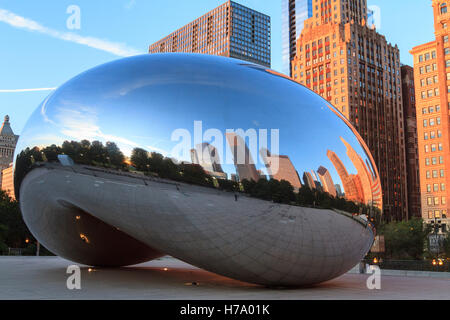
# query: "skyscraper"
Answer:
x=280 y=168
x=308 y=180
x=230 y=30
x=327 y=181
x=365 y=178
x=352 y=66
x=431 y=76
x=412 y=152
x=293 y=14
x=243 y=161
x=207 y=156
x=350 y=182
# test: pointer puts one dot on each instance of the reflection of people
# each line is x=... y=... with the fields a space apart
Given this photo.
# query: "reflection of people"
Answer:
x=235 y=197
x=362 y=266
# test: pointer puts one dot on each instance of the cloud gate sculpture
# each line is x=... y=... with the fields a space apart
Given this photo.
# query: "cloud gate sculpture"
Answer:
x=221 y=163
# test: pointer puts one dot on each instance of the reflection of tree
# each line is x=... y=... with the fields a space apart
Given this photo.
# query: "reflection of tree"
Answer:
x=283 y=192
x=155 y=164
x=84 y=152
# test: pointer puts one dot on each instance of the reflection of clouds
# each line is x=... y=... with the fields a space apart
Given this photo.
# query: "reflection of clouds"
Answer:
x=44 y=110
x=82 y=123
x=159 y=150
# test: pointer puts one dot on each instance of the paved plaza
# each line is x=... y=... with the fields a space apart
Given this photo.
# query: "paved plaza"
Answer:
x=168 y=278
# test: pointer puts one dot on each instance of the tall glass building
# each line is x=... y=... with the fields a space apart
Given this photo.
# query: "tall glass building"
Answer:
x=230 y=30
x=294 y=13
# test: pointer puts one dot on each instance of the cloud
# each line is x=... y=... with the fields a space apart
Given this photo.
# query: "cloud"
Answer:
x=26 y=90
x=16 y=21
x=130 y=4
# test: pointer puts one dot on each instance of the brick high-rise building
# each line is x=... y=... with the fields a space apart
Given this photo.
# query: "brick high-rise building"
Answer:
x=432 y=82
x=230 y=30
x=358 y=71
x=412 y=155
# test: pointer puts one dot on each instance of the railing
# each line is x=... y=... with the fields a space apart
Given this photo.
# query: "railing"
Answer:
x=413 y=265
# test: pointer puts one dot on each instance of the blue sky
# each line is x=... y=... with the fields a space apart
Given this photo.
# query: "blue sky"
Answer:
x=38 y=51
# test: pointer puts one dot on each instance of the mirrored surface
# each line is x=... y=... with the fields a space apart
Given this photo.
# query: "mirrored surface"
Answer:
x=206 y=143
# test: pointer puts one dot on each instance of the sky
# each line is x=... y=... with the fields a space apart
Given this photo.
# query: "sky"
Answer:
x=38 y=51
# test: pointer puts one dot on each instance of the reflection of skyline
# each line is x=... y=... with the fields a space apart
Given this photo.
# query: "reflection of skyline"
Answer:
x=308 y=180
x=280 y=167
x=243 y=161
x=326 y=180
x=158 y=134
x=349 y=182
x=209 y=157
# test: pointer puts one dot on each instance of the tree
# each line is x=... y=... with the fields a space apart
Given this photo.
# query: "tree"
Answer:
x=116 y=156
x=139 y=159
x=405 y=239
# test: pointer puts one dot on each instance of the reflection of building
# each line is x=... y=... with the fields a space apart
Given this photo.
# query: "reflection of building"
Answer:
x=412 y=153
x=280 y=168
x=338 y=190
x=8 y=142
x=327 y=181
x=294 y=13
x=308 y=180
x=365 y=178
x=354 y=67
x=207 y=156
x=243 y=161
x=230 y=30
x=7 y=179
x=351 y=184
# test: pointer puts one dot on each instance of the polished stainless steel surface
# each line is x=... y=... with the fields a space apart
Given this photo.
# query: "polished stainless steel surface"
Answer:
x=221 y=163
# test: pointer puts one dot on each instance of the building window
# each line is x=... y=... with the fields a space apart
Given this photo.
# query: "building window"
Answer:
x=441 y=159
x=442 y=186
x=425 y=123
x=442 y=173
x=435 y=187
x=425 y=136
